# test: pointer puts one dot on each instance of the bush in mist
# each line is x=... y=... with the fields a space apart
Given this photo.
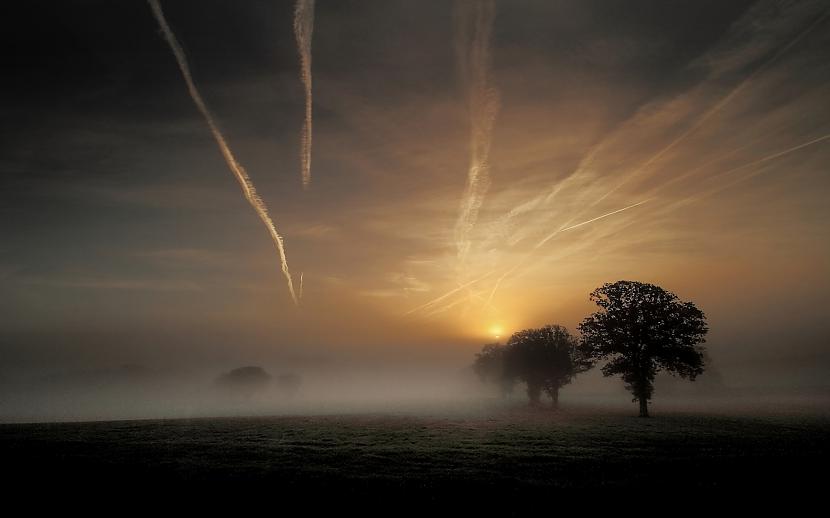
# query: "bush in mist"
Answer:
x=641 y=329
x=244 y=381
x=545 y=359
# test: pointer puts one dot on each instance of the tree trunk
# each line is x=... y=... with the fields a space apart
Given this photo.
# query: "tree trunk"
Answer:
x=555 y=397
x=643 y=407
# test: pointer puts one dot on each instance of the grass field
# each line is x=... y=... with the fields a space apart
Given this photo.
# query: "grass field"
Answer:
x=515 y=451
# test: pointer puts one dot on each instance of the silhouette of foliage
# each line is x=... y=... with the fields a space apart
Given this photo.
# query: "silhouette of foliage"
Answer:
x=546 y=359
x=641 y=329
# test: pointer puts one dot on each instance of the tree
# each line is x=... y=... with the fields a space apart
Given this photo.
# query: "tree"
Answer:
x=489 y=366
x=641 y=329
x=244 y=381
x=546 y=359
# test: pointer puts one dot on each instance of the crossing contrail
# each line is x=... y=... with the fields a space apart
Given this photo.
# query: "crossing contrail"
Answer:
x=516 y=266
x=717 y=107
x=303 y=30
x=238 y=171
x=448 y=294
x=702 y=194
x=550 y=236
x=689 y=199
x=582 y=169
x=583 y=174
x=473 y=42
x=571 y=227
x=450 y=305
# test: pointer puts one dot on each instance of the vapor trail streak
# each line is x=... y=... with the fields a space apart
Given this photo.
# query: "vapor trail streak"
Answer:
x=473 y=44
x=767 y=158
x=690 y=199
x=565 y=229
x=551 y=236
x=448 y=294
x=706 y=116
x=582 y=168
x=303 y=31
x=455 y=303
x=717 y=107
x=238 y=171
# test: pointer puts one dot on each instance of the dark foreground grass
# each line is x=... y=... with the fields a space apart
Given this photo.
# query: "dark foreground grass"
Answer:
x=511 y=453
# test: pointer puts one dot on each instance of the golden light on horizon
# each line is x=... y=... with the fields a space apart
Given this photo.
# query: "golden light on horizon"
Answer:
x=496 y=331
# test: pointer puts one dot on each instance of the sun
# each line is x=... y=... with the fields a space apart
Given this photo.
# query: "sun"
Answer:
x=496 y=331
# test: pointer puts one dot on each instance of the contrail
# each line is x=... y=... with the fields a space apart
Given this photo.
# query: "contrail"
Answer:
x=571 y=227
x=696 y=125
x=550 y=236
x=473 y=45
x=708 y=114
x=717 y=107
x=695 y=197
x=705 y=117
x=515 y=267
x=303 y=30
x=449 y=293
x=241 y=175
x=456 y=302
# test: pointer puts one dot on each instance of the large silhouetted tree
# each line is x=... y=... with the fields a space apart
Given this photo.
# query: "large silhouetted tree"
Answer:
x=546 y=359
x=641 y=329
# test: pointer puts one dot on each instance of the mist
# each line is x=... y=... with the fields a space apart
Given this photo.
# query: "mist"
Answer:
x=352 y=385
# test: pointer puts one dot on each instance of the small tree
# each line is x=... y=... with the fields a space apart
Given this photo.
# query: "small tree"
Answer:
x=642 y=329
x=244 y=381
x=546 y=359
x=489 y=366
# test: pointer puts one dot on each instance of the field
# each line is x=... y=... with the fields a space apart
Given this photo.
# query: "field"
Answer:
x=514 y=452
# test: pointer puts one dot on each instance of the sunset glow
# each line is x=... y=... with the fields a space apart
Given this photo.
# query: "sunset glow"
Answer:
x=497 y=331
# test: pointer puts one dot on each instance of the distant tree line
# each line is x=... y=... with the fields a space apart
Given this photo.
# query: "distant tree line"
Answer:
x=639 y=330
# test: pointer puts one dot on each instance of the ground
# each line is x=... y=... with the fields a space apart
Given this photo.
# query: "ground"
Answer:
x=510 y=452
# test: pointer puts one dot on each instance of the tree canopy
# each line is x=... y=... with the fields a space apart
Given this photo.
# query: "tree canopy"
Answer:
x=641 y=329
x=545 y=359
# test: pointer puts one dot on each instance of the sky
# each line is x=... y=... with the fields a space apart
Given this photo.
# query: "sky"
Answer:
x=472 y=173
